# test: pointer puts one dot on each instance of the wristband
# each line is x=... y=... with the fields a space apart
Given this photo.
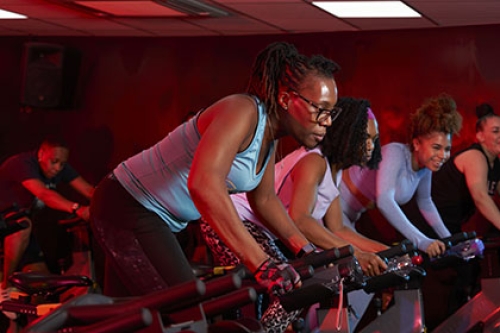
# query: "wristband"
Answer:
x=308 y=248
x=76 y=206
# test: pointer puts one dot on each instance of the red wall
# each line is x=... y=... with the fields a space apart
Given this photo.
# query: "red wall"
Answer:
x=132 y=91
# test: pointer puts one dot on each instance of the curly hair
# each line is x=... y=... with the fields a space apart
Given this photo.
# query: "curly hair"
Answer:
x=281 y=65
x=438 y=114
x=345 y=142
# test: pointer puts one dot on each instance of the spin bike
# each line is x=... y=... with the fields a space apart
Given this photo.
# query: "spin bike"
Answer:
x=482 y=312
x=407 y=313
x=331 y=287
x=37 y=294
x=185 y=308
x=404 y=274
x=403 y=266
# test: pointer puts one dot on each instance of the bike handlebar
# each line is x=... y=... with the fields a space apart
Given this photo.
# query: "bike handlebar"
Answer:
x=323 y=258
x=230 y=301
x=457 y=238
x=132 y=321
x=173 y=299
x=400 y=249
x=170 y=298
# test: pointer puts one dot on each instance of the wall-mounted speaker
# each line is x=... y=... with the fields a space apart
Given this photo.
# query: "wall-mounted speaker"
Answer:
x=49 y=75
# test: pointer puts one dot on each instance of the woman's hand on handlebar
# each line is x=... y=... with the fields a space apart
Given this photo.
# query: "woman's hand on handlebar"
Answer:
x=278 y=279
x=436 y=248
x=371 y=263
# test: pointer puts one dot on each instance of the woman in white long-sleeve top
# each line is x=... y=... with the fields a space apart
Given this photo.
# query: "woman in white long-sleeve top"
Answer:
x=406 y=170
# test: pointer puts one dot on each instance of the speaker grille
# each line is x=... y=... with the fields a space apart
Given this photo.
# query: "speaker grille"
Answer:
x=49 y=75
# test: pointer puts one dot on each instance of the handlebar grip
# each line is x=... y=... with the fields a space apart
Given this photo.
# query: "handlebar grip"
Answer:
x=397 y=250
x=323 y=258
x=132 y=321
x=305 y=272
x=345 y=251
x=222 y=285
x=229 y=301
x=457 y=238
x=169 y=299
x=316 y=259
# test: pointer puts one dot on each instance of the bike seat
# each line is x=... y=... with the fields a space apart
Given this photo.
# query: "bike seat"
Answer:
x=36 y=283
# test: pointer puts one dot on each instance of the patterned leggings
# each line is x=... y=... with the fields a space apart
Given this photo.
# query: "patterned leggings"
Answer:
x=275 y=319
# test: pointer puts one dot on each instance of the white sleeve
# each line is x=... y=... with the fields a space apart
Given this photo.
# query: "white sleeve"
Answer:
x=386 y=183
x=428 y=208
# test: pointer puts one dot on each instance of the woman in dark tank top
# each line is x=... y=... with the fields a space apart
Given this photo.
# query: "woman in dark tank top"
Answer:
x=470 y=178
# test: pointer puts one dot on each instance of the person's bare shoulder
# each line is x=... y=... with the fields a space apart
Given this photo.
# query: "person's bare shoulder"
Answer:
x=230 y=108
x=470 y=159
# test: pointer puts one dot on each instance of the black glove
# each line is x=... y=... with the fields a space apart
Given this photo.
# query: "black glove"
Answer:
x=278 y=279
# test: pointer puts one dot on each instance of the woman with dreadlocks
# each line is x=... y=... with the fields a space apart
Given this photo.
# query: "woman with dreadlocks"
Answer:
x=307 y=183
x=226 y=148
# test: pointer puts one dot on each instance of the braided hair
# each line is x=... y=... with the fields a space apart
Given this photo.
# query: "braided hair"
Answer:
x=438 y=114
x=344 y=144
x=281 y=65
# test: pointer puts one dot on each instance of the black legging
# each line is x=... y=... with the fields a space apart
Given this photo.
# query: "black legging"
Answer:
x=141 y=250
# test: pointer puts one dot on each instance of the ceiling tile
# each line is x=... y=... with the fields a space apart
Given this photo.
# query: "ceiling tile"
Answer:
x=236 y=24
x=389 y=24
x=60 y=17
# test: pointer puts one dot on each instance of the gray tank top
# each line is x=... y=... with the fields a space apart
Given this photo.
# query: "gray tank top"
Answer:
x=157 y=177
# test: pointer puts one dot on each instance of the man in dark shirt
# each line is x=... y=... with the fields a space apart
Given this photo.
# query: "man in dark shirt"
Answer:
x=28 y=180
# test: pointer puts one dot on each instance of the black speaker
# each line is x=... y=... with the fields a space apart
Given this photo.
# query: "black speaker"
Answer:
x=49 y=75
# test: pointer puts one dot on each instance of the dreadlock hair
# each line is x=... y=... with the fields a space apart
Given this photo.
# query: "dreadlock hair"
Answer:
x=344 y=144
x=483 y=112
x=438 y=114
x=281 y=65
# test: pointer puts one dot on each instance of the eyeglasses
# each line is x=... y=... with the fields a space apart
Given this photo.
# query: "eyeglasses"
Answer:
x=322 y=114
